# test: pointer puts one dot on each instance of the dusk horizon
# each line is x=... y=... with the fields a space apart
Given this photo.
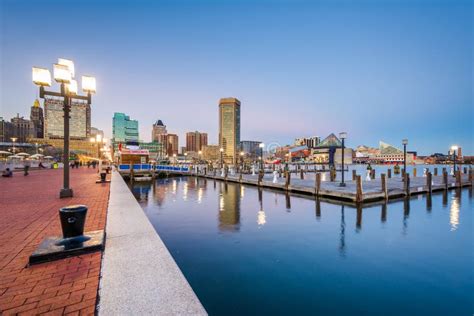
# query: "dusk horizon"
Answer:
x=380 y=71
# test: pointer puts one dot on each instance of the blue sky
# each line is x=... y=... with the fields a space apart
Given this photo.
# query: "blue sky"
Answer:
x=380 y=70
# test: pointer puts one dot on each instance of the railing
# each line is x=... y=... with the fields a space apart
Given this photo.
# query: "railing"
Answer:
x=150 y=167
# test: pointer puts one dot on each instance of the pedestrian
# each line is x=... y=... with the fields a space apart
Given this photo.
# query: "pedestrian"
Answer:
x=7 y=173
x=25 y=169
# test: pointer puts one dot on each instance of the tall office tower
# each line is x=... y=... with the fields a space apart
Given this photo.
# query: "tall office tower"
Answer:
x=172 y=144
x=229 y=129
x=195 y=141
x=79 y=123
x=37 y=118
x=124 y=130
x=159 y=132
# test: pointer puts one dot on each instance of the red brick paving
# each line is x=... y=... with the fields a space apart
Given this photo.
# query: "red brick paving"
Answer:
x=28 y=213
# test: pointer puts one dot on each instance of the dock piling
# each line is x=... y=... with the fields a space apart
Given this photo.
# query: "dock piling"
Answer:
x=429 y=182
x=317 y=184
x=384 y=185
x=414 y=172
x=435 y=171
x=445 y=179
x=354 y=175
x=301 y=174
x=359 y=192
x=458 y=178
x=407 y=184
x=287 y=180
x=389 y=173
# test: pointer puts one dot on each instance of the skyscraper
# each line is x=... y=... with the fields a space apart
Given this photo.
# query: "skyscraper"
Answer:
x=159 y=132
x=37 y=118
x=79 y=123
x=229 y=128
x=124 y=130
x=195 y=141
x=23 y=128
x=173 y=145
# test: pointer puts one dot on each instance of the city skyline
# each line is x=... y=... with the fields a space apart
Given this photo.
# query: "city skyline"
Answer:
x=375 y=78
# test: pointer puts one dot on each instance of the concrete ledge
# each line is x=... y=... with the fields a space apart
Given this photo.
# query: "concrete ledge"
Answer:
x=139 y=275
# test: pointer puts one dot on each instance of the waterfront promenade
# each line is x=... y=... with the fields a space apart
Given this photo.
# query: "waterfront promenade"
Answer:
x=29 y=212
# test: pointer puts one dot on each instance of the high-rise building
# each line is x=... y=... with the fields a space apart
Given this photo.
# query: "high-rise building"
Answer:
x=37 y=118
x=22 y=128
x=229 y=128
x=159 y=132
x=79 y=123
x=195 y=141
x=124 y=130
x=173 y=145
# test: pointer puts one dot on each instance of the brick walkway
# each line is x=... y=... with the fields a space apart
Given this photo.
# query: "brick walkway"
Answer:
x=28 y=213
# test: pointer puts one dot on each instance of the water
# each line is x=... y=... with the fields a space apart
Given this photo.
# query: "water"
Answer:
x=251 y=252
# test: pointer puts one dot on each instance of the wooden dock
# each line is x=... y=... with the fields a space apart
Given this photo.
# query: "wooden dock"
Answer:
x=358 y=191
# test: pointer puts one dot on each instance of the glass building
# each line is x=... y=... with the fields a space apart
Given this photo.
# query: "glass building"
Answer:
x=124 y=130
x=229 y=129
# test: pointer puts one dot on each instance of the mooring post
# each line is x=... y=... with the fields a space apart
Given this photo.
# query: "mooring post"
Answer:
x=435 y=171
x=359 y=192
x=458 y=178
x=287 y=180
x=414 y=172
x=372 y=174
x=354 y=175
x=465 y=170
x=407 y=183
x=429 y=182
x=384 y=185
x=445 y=179
x=317 y=183
x=301 y=174
x=389 y=173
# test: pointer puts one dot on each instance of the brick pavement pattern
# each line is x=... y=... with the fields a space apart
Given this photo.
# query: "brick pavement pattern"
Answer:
x=28 y=213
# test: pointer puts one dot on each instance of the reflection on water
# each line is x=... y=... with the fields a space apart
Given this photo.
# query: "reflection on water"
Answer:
x=223 y=235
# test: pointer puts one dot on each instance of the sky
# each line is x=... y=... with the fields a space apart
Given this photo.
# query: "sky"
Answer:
x=378 y=70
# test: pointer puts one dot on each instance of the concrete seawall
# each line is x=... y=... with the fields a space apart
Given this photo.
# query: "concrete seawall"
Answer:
x=139 y=275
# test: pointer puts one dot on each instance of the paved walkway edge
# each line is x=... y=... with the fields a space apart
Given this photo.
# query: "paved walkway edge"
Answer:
x=139 y=275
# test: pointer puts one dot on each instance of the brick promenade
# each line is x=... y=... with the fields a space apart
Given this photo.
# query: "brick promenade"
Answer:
x=28 y=213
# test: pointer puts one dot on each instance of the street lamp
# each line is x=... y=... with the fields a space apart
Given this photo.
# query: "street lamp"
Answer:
x=261 y=146
x=405 y=143
x=64 y=73
x=222 y=152
x=454 y=148
x=342 y=136
x=13 y=146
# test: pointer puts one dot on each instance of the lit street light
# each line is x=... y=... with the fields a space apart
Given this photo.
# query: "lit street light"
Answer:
x=343 y=136
x=261 y=146
x=13 y=147
x=64 y=74
x=454 y=148
x=405 y=143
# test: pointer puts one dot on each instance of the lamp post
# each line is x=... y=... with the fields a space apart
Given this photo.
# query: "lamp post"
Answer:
x=454 y=148
x=222 y=153
x=13 y=146
x=261 y=146
x=343 y=136
x=405 y=143
x=63 y=74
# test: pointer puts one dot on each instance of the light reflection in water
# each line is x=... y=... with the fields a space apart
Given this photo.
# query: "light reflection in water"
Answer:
x=454 y=213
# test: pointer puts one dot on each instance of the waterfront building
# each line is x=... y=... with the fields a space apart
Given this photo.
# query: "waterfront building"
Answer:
x=195 y=141
x=6 y=130
x=310 y=142
x=159 y=132
x=211 y=153
x=172 y=145
x=37 y=119
x=82 y=147
x=229 y=128
x=251 y=149
x=22 y=128
x=325 y=151
x=79 y=123
x=124 y=130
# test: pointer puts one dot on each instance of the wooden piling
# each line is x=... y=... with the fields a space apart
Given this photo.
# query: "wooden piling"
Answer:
x=359 y=192
x=435 y=171
x=407 y=184
x=287 y=180
x=354 y=175
x=372 y=174
x=458 y=178
x=429 y=182
x=414 y=172
x=317 y=183
x=384 y=185
x=301 y=174
x=465 y=170
x=445 y=179
x=389 y=173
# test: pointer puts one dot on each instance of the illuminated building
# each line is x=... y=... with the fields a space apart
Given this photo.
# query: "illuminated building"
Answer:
x=195 y=141
x=229 y=129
